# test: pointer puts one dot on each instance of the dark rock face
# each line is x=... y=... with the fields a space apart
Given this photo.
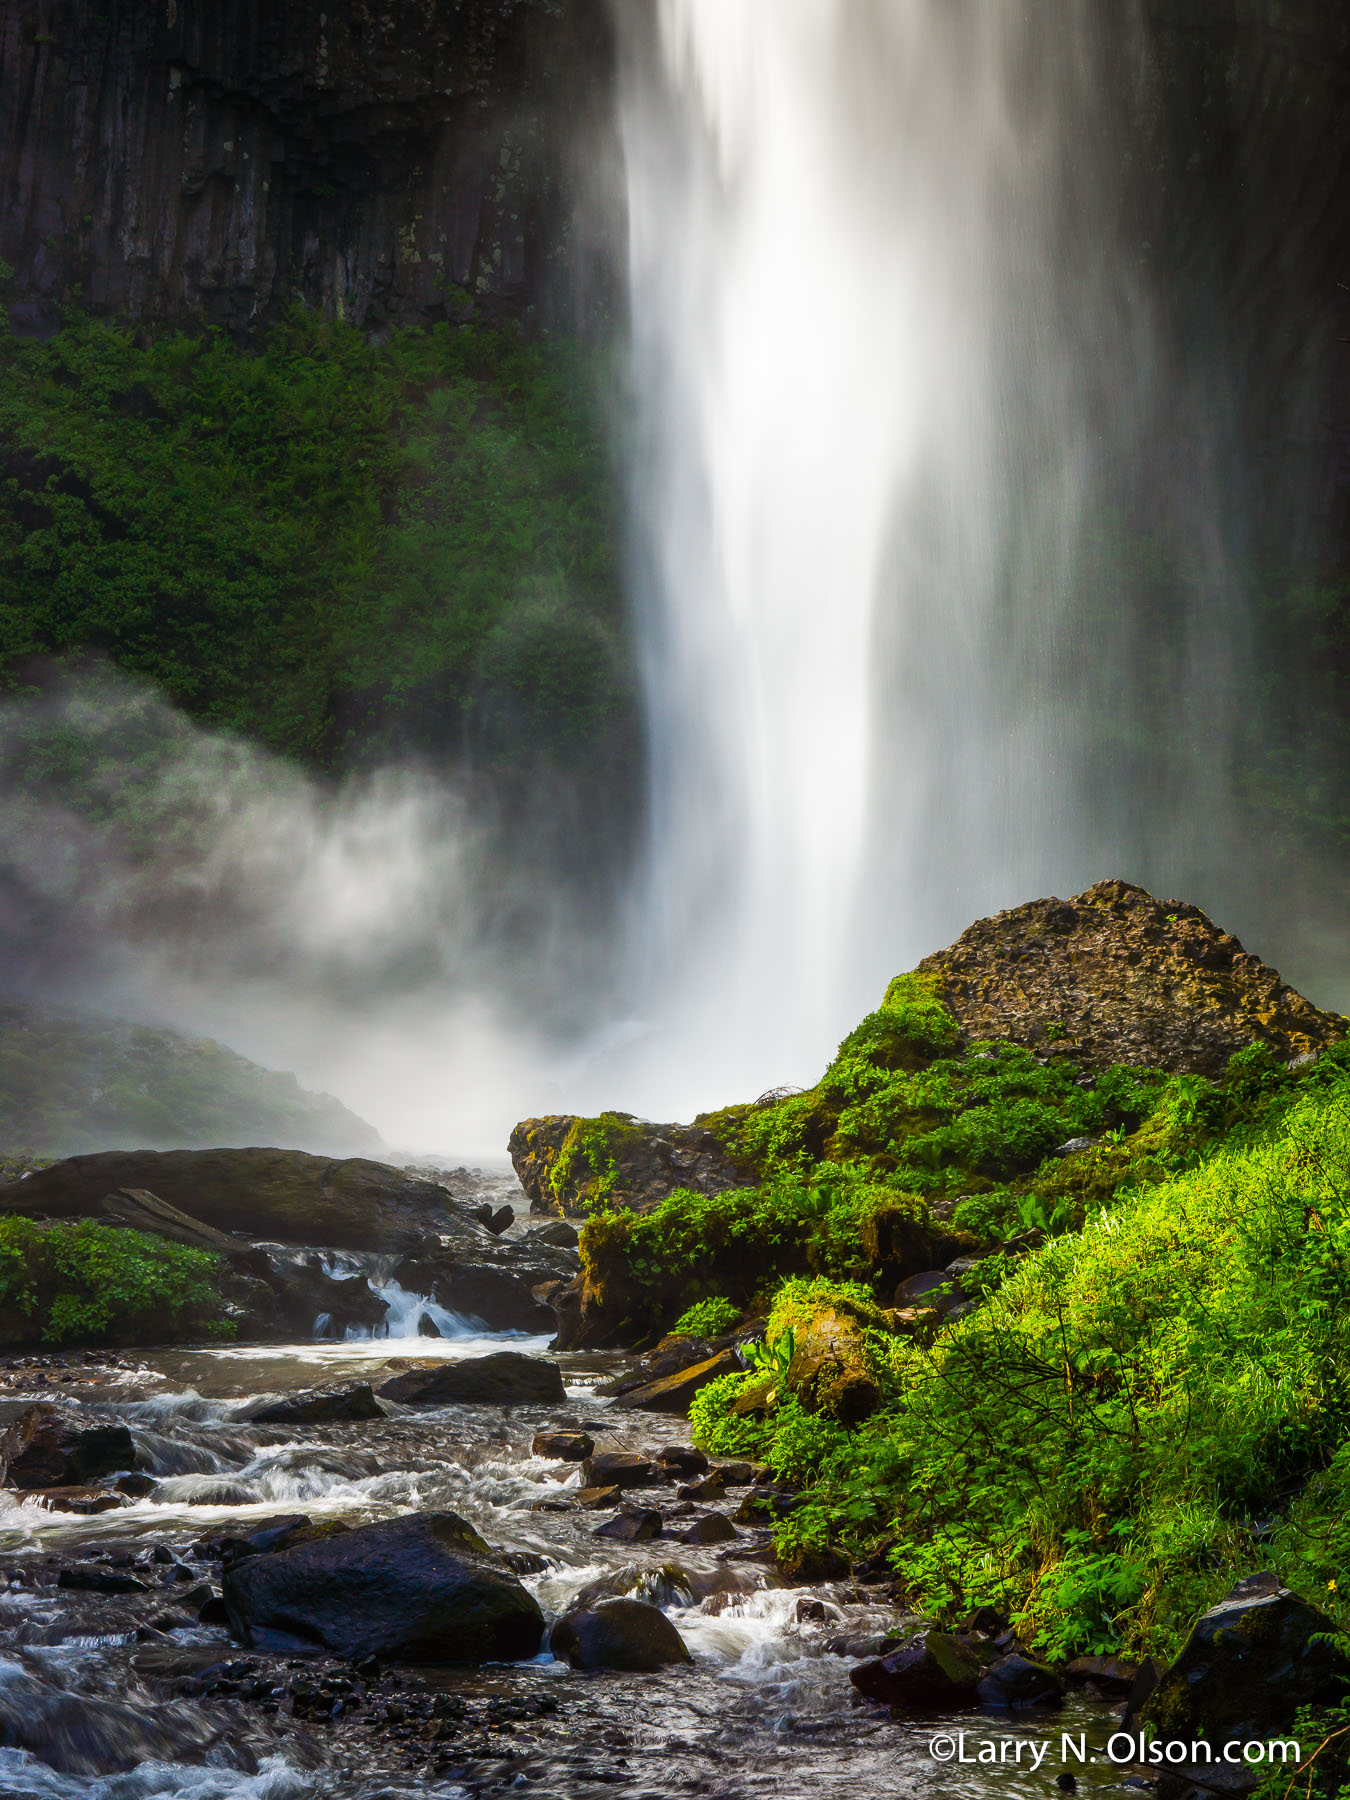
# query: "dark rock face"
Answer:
x=395 y=162
x=425 y=1588
x=320 y=1406
x=51 y=1451
x=566 y=1163
x=504 y=1379
x=632 y=1525
x=618 y=1634
x=1249 y=1664
x=1115 y=976
x=284 y=1195
x=712 y=1528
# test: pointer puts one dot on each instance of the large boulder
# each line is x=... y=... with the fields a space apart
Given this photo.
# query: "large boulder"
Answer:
x=286 y=1196
x=45 y=1449
x=504 y=1379
x=1247 y=1667
x=828 y=1370
x=339 y=1405
x=422 y=1589
x=1115 y=976
x=618 y=1634
x=568 y=1164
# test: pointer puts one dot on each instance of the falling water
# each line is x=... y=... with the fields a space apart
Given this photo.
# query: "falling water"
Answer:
x=892 y=358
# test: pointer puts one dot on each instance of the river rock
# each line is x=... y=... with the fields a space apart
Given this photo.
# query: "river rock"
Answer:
x=619 y=1468
x=712 y=1486
x=422 y=1589
x=97 y=1578
x=1018 y=1683
x=559 y=1235
x=506 y=1378
x=618 y=1634
x=710 y=1528
x=632 y=1525
x=672 y=1393
x=1247 y=1667
x=682 y=1460
x=349 y=1401
x=74 y=1499
x=596 y=1499
x=931 y=1672
x=1126 y=979
x=565 y=1446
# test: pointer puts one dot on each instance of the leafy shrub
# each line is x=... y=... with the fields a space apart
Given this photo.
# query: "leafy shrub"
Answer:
x=707 y=1318
x=89 y=1283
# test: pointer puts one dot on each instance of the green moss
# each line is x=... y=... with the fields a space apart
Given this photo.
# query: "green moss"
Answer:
x=87 y=1283
x=585 y=1172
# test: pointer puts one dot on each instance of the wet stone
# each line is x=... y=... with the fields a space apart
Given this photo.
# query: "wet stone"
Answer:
x=566 y=1446
x=633 y=1525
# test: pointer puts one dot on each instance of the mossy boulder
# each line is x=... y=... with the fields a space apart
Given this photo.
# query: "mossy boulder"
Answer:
x=1113 y=976
x=568 y=1164
x=934 y=1671
x=1248 y=1666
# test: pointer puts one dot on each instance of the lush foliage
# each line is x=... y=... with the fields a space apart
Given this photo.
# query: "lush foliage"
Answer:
x=325 y=542
x=1118 y=1430
x=101 y=1284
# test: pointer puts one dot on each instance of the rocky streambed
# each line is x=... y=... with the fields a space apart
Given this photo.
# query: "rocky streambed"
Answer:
x=122 y=1672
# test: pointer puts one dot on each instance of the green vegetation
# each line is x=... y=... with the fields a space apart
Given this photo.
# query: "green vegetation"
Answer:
x=73 y=1084
x=1151 y=1404
x=707 y=1318
x=88 y=1283
x=585 y=1172
x=328 y=545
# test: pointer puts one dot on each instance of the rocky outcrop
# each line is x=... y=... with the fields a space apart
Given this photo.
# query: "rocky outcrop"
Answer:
x=1115 y=976
x=569 y=1164
x=425 y=1588
x=395 y=162
x=338 y=1405
x=43 y=1448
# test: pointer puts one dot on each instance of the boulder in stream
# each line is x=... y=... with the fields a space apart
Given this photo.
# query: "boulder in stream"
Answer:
x=344 y=1403
x=1016 y=1682
x=710 y=1528
x=618 y=1634
x=620 y=1468
x=565 y=1446
x=632 y=1525
x=506 y=1378
x=424 y=1589
x=49 y=1450
x=931 y=1672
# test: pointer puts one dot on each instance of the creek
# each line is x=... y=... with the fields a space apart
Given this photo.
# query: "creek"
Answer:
x=125 y=1696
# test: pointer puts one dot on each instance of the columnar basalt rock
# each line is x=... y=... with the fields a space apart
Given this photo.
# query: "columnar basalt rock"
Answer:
x=400 y=161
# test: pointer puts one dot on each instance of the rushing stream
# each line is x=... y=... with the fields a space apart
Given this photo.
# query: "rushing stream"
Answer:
x=122 y=1696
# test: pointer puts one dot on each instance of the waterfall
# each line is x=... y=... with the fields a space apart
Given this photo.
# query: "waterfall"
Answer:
x=893 y=363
